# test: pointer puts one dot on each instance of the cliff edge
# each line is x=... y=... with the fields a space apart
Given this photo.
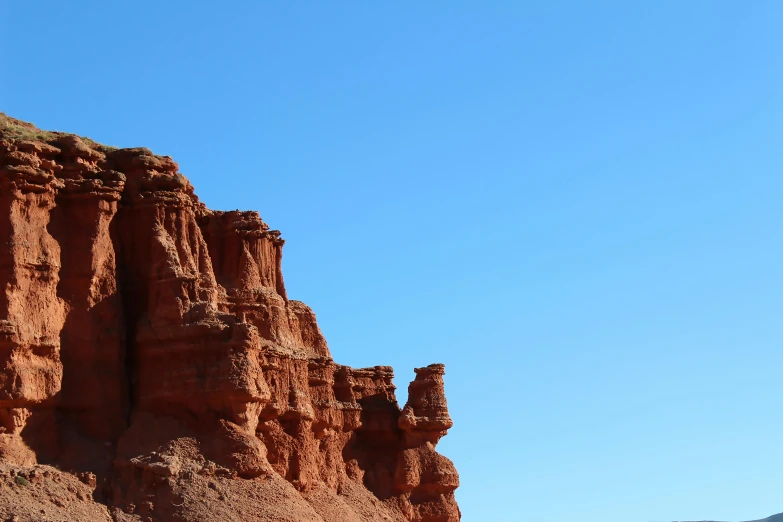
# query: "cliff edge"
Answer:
x=153 y=368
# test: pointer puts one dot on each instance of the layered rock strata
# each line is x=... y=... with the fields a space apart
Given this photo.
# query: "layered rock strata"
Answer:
x=149 y=343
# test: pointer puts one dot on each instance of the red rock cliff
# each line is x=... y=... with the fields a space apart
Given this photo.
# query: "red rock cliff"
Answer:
x=149 y=349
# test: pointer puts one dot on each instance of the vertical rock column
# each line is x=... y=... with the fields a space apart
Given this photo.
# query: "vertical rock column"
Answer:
x=94 y=393
x=424 y=479
x=371 y=452
x=168 y=285
x=31 y=314
x=191 y=361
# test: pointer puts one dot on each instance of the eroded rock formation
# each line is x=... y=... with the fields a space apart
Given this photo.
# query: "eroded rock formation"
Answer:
x=148 y=344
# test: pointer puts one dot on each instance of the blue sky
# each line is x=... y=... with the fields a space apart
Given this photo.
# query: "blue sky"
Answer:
x=576 y=206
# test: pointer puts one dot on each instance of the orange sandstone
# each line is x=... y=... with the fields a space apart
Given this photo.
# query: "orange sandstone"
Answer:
x=148 y=344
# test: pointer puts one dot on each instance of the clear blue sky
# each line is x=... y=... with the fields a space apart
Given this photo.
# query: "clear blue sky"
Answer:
x=577 y=208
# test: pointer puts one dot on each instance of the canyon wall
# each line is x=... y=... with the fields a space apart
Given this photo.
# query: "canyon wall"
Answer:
x=149 y=352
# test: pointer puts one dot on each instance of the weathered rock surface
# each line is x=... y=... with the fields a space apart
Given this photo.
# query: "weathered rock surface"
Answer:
x=150 y=353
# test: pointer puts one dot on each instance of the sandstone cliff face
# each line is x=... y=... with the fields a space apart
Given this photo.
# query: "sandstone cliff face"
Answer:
x=148 y=347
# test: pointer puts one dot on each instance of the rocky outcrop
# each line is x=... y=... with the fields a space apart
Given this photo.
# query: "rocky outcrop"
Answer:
x=148 y=342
